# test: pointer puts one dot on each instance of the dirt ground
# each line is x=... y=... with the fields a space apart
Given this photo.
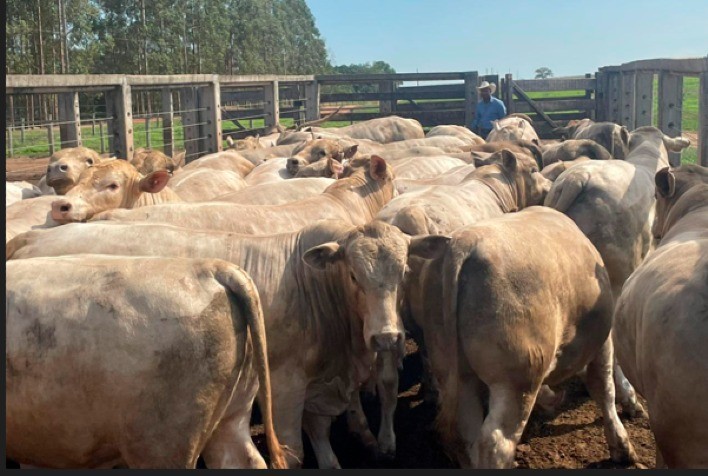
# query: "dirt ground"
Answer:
x=574 y=438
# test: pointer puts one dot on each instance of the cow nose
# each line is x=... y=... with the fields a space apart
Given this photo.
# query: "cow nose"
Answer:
x=61 y=207
x=385 y=341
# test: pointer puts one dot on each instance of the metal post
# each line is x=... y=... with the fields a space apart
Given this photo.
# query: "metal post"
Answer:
x=100 y=131
x=148 y=142
x=167 y=119
x=9 y=142
x=614 y=96
x=50 y=134
x=93 y=123
x=22 y=130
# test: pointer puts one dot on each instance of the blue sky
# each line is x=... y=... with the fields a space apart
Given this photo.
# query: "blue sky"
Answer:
x=498 y=37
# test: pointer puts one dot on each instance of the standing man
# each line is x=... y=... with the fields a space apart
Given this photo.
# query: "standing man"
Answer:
x=489 y=109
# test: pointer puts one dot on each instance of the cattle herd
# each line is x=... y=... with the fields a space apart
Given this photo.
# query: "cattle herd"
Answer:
x=149 y=302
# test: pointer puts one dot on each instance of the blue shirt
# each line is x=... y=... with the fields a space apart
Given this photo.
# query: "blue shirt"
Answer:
x=487 y=112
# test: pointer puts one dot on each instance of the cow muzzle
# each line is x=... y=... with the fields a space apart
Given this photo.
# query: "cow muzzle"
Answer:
x=293 y=165
x=386 y=341
x=63 y=211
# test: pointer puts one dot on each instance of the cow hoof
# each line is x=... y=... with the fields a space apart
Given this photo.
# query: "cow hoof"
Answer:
x=624 y=455
x=633 y=410
x=386 y=455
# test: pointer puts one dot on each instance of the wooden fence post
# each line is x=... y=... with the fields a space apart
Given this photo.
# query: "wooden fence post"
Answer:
x=188 y=106
x=272 y=104
x=119 y=107
x=22 y=130
x=628 y=90
x=209 y=99
x=386 y=105
x=312 y=101
x=167 y=119
x=470 y=96
x=644 y=99
x=703 y=121
x=509 y=93
x=588 y=95
x=70 y=119
x=670 y=109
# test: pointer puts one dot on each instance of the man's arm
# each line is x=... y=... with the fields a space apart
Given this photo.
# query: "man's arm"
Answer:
x=502 y=109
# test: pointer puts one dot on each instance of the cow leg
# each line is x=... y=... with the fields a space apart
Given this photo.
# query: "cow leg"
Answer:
x=470 y=414
x=509 y=410
x=602 y=389
x=288 y=407
x=387 y=388
x=231 y=445
x=317 y=428
x=626 y=396
x=358 y=425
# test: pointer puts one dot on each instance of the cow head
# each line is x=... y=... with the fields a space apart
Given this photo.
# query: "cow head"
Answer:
x=515 y=178
x=65 y=167
x=319 y=149
x=573 y=127
x=147 y=161
x=329 y=168
x=114 y=184
x=652 y=135
x=372 y=264
x=247 y=143
x=671 y=185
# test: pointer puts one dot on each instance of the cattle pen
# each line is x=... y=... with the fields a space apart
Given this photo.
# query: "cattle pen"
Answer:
x=196 y=113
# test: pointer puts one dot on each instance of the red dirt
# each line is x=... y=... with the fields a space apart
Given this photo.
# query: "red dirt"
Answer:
x=573 y=439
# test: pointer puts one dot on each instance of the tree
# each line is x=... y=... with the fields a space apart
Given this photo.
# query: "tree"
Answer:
x=543 y=73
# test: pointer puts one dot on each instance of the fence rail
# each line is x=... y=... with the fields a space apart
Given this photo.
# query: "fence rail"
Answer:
x=204 y=104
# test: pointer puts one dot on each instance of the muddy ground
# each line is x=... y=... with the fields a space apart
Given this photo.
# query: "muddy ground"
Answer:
x=572 y=439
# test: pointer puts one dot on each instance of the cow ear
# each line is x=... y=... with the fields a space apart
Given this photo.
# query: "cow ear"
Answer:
x=350 y=151
x=478 y=162
x=624 y=135
x=665 y=182
x=318 y=256
x=154 y=181
x=428 y=246
x=508 y=160
x=377 y=168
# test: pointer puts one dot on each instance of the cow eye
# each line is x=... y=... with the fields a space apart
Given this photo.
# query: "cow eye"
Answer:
x=534 y=170
x=89 y=161
x=113 y=186
x=323 y=153
x=351 y=275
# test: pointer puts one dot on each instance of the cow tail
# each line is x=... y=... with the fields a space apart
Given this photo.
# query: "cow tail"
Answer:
x=15 y=244
x=241 y=285
x=562 y=196
x=446 y=420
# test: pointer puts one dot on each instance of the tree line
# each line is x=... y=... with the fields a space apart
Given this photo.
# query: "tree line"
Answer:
x=163 y=37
